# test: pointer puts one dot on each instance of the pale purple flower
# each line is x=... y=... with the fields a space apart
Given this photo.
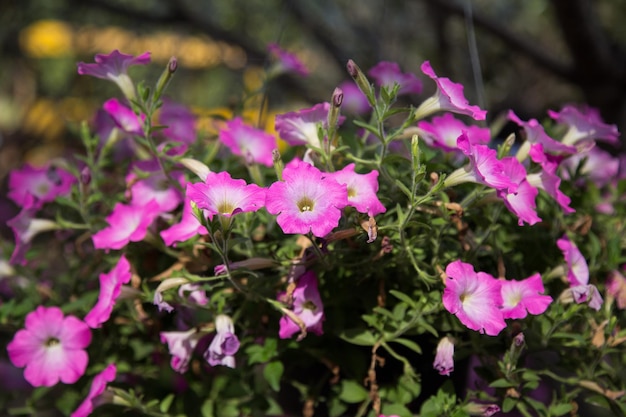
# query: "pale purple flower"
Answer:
x=524 y=296
x=578 y=275
x=547 y=179
x=110 y=289
x=354 y=101
x=25 y=227
x=616 y=288
x=584 y=124
x=474 y=298
x=522 y=201
x=287 y=61
x=98 y=386
x=193 y=293
x=181 y=346
x=253 y=144
x=188 y=227
x=224 y=345
x=51 y=347
x=307 y=305
x=222 y=195
x=301 y=127
x=444 y=357
x=31 y=187
x=598 y=166
x=443 y=131
x=114 y=67
x=127 y=223
x=306 y=201
x=124 y=117
x=449 y=97
x=362 y=189
x=388 y=73
x=535 y=133
x=180 y=122
x=147 y=182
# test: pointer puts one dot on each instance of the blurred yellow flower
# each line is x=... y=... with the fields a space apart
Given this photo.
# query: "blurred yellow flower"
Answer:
x=47 y=38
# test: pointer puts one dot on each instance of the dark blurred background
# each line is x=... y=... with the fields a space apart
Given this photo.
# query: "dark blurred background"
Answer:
x=530 y=55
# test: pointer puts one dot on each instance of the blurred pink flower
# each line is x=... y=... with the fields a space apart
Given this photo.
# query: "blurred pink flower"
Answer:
x=578 y=275
x=146 y=182
x=443 y=131
x=547 y=179
x=253 y=144
x=51 y=347
x=307 y=305
x=535 y=133
x=444 y=357
x=301 y=127
x=181 y=346
x=180 y=122
x=98 y=386
x=597 y=165
x=354 y=101
x=224 y=345
x=287 y=62
x=31 y=187
x=124 y=117
x=520 y=297
x=188 y=227
x=616 y=288
x=388 y=73
x=25 y=227
x=362 y=189
x=584 y=124
x=114 y=67
x=193 y=293
x=110 y=288
x=127 y=223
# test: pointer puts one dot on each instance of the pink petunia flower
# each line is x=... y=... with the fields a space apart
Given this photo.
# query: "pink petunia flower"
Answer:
x=578 y=275
x=110 y=288
x=147 y=182
x=253 y=144
x=25 y=228
x=180 y=122
x=444 y=357
x=484 y=167
x=354 y=101
x=98 y=386
x=31 y=187
x=301 y=127
x=524 y=296
x=188 y=227
x=522 y=201
x=127 y=223
x=547 y=179
x=224 y=345
x=616 y=288
x=287 y=62
x=598 y=165
x=307 y=305
x=449 y=97
x=535 y=133
x=193 y=293
x=388 y=73
x=181 y=346
x=51 y=347
x=474 y=298
x=114 y=67
x=443 y=131
x=222 y=195
x=124 y=117
x=306 y=201
x=584 y=124
x=362 y=190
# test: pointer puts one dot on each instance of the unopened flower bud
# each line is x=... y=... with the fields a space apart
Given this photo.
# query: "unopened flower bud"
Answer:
x=361 y=81
x=172 y=65
x=85 y=176
x=278 y=164
x=337 y=97
x=444 y=358
x=483 y=410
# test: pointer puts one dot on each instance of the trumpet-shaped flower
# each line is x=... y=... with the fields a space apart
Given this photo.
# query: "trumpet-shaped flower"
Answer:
x=147 y=182
x=98 y=386
x=535 y=133
x=253 y=144
x=110 y=288
x=300 y=127
x=522 y=297
x=287 y=62
x=387 y=74
x=127 y=223
x=522 y=201
x=224 y=345
x=307 y=305
x=449 y=97
x=181 y=346
x=124 y=117
x=31 y=187
x=547 y=179
x=578 y=275
x=307 y=200
x=222 y=195
x=584 y=124
x=444 y=357
x=443 y=131
x=598 y=166
x=188 y=227
x=114 y=67
x=474 y=298
x=362 y=190
x=25 y=228
x=51 y=347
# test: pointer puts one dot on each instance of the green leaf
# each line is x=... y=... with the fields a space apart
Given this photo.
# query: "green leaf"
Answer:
x=166 y=403
x=359 y=336
x=403 y=297
x=560 y=409
x=396 y=410
x=273 y=372
x=502 y=383
x=404 y=189
x=352 y=392
x=508 y=404
x=408 y=343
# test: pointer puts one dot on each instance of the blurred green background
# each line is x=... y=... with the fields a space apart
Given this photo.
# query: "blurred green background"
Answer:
x=529 y=55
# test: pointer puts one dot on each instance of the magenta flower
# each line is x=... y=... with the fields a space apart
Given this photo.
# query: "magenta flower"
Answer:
x=387 y=74
x=287 y=62
x=547 y=179
x=444 y=357
x=114 y=67
x=98 y=386
x=31 y=187
x=354 y=101
x=193 y=293
x=180 y=122
x=124 y=117
x=520 y=297
x=535 y=133
x=484 y=167
x=301 y=127
x=110 y=288
x=578 y=275
x=224 y=196
x=522 y=201
x=449 y=97
x=616 y=288
x=253 y=144
x=25 y=228
x=181 y=346
x=362 y=190
x=154 y=186
x=306 y=201
x=584 y=124
x=51 y=347
x=443 y=131
x=474 y=298
x=127 y=223
x=307 y=305
x=188 y=227
x=597 y=165
x=224 y=345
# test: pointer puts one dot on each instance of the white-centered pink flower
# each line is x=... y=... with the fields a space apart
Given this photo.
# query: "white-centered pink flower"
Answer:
x=578 y=274
x=443 y=131
x=584 y=124
x=147 y=182
x=51 y=347
x=388 y=73
x=522 y=201
x=127 y=223
x=306 y=200
x=448 y=97
x=286 y=61
x=523 y=296
x=181 y=346
x=474 y=298
x=32 y=187
x=362 y=189
x=98 y=386
x=110 y=289
x=301 y=127
x=307 y=305
x=254 y=145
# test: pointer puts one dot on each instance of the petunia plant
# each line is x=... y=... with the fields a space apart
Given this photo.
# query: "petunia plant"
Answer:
x=360 y=259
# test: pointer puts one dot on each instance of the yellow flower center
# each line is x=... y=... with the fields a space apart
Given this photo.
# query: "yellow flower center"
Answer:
x=305 y=204
x=53 y=341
